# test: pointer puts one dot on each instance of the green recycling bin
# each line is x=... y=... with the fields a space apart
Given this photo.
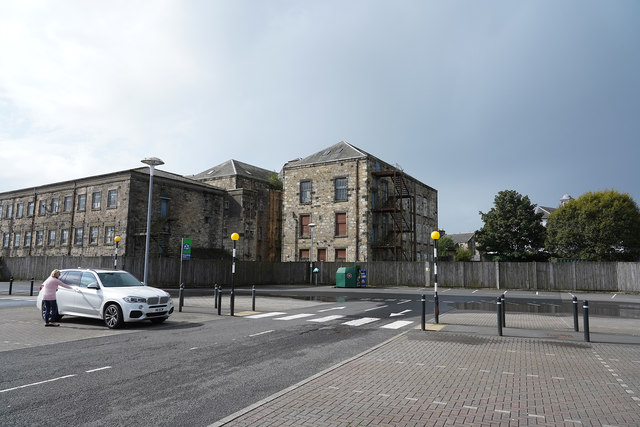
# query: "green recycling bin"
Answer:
x=347 y=277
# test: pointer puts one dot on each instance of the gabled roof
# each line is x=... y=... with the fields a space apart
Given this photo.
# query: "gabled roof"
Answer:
x=460 y=237
x=546 y=211
x=233 y=168
x=340 y=151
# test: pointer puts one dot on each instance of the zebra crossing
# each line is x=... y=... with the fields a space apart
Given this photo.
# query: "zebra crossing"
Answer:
x=323 y=317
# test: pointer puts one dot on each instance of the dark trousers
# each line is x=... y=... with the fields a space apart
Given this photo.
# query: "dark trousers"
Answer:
x=51 y=311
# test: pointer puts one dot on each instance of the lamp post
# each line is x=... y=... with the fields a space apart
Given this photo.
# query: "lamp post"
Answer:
x=311 y=254
x=234 y=237
x=115 y=260
x=152 y=162
x=435 y=236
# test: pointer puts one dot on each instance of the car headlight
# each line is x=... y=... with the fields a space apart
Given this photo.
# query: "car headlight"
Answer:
x=134 y=299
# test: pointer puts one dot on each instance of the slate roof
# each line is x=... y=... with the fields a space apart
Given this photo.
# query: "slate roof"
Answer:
x=233 y=168
x=460 y=237
x=340 y=151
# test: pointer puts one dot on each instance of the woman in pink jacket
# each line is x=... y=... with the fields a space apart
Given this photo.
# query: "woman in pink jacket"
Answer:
x=50 y=287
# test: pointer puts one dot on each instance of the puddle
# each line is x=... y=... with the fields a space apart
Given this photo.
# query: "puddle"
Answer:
x=595 y=309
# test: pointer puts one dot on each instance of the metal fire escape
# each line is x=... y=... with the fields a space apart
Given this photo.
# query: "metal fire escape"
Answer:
x=400 y=208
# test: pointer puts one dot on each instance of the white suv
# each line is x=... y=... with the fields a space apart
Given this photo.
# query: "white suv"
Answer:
x=112 y=295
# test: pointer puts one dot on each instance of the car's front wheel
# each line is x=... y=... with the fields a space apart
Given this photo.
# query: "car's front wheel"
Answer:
x=113 y=316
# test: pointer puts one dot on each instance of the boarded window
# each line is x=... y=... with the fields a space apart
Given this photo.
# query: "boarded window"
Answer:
x=322 y=254
x=341 y=224
x=341 y=255
x=305 y=220
x=304 y=254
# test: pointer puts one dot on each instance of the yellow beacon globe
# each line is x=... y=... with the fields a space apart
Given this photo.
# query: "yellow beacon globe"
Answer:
x=435 y=235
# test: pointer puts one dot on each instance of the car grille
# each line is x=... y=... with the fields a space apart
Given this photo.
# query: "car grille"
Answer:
x=157 y=300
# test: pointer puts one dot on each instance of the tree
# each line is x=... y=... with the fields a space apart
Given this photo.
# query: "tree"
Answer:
x=463 y=254
x=598 y=226
x=512 y=231
x=445 y=245
x=275 y=182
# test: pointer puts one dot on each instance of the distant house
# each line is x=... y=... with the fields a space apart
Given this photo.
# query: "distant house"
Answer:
x=467 y=241
x=546 y=211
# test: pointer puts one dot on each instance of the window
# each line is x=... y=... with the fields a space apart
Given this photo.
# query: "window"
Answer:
x=112 y=198
x=341 y=255
x=55 y=204
x=341 y=224
x=340 y=185
x=305 y=230
x=384 y=192
x=52 y=238
x=0 y=211
x=82 y=202
x=9 y=211
x=64 y=237
x=322 y=254
x=93 y=235
x=39 y=238
x=30 y=208
x=19 y=210
x=16 y=240
x=27 y=238
x=96 y=199
x=42 y=208
x=305 y=192
x=109 y=234
x=5 y=240
x=164 y=207
x=304 y=254
x=67 y=203
x=77 y=238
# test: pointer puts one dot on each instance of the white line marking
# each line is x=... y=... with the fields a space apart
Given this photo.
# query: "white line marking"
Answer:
x=614 y=295
x=263 y=315
x=98 y=369
x=326 y=319
x=383 y=395
x=502 y=411
x=295 y=316
x=376 y=308
x=397 y=324
x=573 y=421
x=435 y=402
x=404 y=301
x=557 y=378
x=469 y=407
x=332 y=308
x=399 y=314
x=474 y=291
x=262 y=333
x=38 y=383
x=412 y=399
x=362 y=321
x=536 y=416
x=194 y=348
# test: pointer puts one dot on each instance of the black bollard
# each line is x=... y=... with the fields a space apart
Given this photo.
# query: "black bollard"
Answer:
x=215 y=296
x=232 y=302
x=585 y=306
x=504 y=310
x=219 y=300
x=436 y=308
x=31 y=293
x=10 y=285
x=575 y=314
x=499 y=309
x=423 y=300
x=181 y=297
x=253 y=298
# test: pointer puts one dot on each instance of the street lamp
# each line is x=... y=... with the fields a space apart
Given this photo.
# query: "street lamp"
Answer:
x=152 y=162
x=234 y=237
x=311 y=254
x=115 y=260
x=435 y=236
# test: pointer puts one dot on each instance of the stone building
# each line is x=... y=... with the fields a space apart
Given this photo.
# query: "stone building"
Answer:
x=252 y=208
x=83 y=216
x=355 y=207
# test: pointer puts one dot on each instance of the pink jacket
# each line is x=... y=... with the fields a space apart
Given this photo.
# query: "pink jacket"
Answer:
x=50 y=287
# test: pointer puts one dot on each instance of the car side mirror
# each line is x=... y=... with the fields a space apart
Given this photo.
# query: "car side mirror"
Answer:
x=93 y=285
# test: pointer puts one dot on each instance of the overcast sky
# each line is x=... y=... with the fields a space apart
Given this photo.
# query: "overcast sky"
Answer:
x=471 y=98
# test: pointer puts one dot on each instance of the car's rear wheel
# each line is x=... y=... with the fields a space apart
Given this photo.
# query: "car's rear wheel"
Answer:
x=158 y=320
x=113 y=316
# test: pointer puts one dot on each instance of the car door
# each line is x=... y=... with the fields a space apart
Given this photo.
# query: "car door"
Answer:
x=89 y=295
x=67 y=298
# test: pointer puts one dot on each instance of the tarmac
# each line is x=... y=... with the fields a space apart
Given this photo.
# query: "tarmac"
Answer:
x=461 y=372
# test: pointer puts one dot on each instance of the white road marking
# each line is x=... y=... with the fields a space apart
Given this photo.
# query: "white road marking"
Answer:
x=295 y=316
x=261 y=333
x=38 y=383
x=397 y=324
x=326 y=319
x=404 y=301
x=362 y=321
x=399 y=314
x=376 y=308
x=332 y=308
x=98 y=369
x=469 y=407
x=263 y=315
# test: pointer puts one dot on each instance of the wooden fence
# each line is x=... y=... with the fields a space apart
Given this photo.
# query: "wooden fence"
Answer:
x=576 y=276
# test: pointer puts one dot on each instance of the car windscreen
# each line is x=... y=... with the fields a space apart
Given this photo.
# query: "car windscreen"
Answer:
x=118 y=280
